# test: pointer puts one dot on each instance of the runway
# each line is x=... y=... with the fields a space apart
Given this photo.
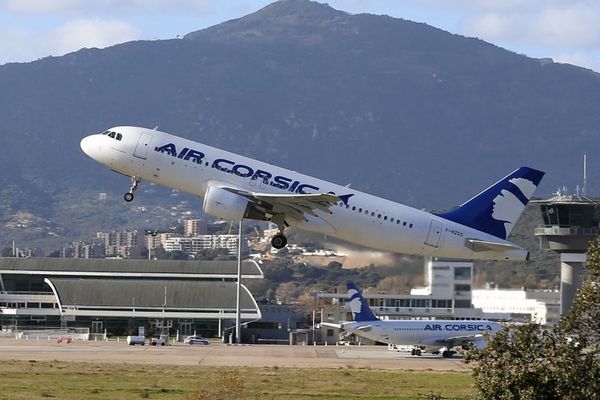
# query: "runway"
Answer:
x=218 y=354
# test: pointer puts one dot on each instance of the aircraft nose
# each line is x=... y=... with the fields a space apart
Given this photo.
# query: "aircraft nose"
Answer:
x=90 y=146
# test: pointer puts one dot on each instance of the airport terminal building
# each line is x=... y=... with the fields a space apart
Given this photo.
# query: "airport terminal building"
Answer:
x=116 y=296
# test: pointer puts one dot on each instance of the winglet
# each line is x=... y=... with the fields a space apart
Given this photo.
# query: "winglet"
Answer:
x=497 y=209
x=359 y=307
x=343 y=197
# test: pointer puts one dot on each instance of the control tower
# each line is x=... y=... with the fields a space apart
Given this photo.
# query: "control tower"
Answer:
x=570 y=224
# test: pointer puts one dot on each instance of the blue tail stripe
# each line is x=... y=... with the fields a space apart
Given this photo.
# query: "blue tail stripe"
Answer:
x=360 y=309
x=477 y=212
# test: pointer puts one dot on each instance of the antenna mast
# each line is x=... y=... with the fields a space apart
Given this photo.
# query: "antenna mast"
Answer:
x=584 y=189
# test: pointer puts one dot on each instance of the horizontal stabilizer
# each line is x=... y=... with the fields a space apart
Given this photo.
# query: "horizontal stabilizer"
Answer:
x=481 y=245
x=331 y=325
x=363 y=328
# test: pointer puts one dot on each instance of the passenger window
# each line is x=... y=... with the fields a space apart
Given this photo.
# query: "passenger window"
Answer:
x=366 y=212
x=347 y=206
x=398 y=221
x=373 y=214
x=404 y=223
x=360 y=210
x=119 y=136
x=385 y=218
x=353 y=208
x=391 y=219
x=410 y=226
x=379 y=216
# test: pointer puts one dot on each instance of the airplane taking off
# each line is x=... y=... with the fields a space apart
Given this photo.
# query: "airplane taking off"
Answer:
x=435 y=336
x=236 y=187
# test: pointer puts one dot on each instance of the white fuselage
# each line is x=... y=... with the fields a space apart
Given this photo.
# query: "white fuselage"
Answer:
x=430 y=333
x=365 y=219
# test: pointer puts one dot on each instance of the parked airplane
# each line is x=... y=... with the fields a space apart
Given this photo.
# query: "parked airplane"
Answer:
x=435 y=336
x=236 y=187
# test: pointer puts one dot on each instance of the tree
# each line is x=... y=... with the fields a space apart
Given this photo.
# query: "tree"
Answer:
x=178 y=255
x=54 y=253
x=583 y=320
x=528 y=362
x=161 y=254
x=287 y=292
x=7 y=252
x=394 y=284
x=219 y=254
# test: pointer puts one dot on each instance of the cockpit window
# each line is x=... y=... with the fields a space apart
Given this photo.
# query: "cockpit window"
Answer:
x=113 y=135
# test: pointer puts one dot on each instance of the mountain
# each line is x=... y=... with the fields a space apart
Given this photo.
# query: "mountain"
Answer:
x=396 y=108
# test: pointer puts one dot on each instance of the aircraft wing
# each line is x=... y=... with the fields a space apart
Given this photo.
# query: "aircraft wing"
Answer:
x=457 y=340
x=482 y=245
x=293 y=204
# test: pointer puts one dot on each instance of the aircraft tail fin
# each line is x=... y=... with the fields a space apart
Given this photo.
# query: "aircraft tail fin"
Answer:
x=497 y=209
x=360 y=309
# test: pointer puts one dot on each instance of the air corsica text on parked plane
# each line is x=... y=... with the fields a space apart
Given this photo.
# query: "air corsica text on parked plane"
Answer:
x=243 y=171
x=457 y=327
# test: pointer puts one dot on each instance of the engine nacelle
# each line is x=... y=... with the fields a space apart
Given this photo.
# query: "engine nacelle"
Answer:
x=224 y=204
x=479 y=344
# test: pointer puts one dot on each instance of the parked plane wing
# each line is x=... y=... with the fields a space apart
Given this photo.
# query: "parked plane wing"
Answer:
x=457 y=340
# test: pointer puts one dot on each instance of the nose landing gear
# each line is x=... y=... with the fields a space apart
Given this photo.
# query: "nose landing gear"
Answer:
x=135 y=181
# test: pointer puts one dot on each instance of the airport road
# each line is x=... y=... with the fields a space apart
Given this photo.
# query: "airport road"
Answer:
x=218 y=354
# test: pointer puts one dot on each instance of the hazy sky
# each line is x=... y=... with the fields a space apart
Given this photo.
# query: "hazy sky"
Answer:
x=566 y=30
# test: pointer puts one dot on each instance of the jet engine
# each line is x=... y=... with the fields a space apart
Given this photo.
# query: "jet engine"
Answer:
x=230 y=206
x=224 y=204
x=475 y=344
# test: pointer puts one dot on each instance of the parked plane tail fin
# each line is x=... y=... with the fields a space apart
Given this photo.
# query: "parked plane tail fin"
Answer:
x=360 y=309
x=497 y=209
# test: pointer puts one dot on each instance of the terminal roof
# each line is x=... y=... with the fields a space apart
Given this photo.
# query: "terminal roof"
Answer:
x=169 y=269
x=126 y=293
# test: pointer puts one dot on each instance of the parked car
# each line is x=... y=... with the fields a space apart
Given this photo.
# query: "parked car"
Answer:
x=195 y=340
x=161 y=341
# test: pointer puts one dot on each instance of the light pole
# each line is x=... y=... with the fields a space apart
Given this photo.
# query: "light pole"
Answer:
x=314 y=324
x=238 y=336
x=150 y=242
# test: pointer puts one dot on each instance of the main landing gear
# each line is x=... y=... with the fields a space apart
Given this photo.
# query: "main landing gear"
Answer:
x=135 y=181
x=448 y=353
x=279 y=241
